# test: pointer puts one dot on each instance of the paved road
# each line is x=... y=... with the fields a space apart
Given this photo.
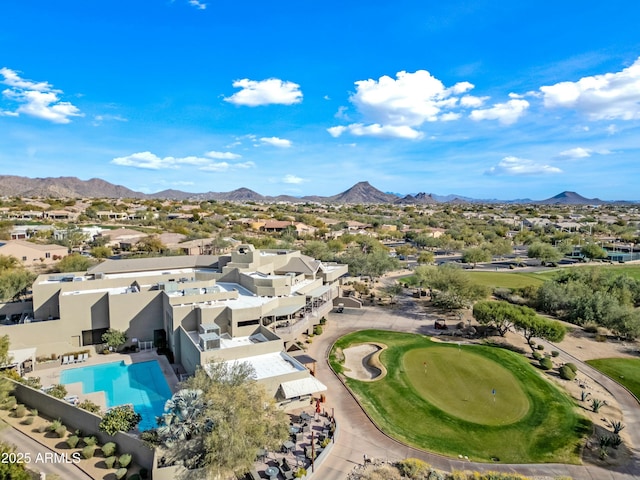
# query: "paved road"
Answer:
x=358 y=436
x=41 y=459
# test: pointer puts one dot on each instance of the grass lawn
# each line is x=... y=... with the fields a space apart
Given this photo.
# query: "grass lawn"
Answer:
x=531 y=421
x=508 y=280
x=625 y=371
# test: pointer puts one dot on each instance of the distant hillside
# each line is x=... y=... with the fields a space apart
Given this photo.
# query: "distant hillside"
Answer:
x=362 y=192
x=570 y=198
x=63 y=187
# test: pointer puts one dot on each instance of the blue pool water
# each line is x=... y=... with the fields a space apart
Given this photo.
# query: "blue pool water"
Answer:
x=141 y=384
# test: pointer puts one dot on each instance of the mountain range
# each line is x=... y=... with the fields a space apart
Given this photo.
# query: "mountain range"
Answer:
x=360 y=193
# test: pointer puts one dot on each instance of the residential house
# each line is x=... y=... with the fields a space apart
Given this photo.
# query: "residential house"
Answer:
x=33 y=254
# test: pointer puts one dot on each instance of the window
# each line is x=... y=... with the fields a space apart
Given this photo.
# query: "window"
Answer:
x=246 y=323
x=47 y=255
x=24 y=259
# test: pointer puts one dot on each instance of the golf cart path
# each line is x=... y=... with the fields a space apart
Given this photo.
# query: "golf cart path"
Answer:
x=358 y=436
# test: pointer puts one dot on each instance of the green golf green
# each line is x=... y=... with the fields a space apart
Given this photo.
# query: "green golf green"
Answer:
x=450 y=409
x=466 y=385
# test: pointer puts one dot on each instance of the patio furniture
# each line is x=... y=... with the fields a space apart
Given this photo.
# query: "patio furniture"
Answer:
x=272 y=473
x=288 y=446
x=72 y=399
x=84 y=357
x=294 y=429
x=299 y=437
x=262 y=454
x=65 y=360
x=305 y=416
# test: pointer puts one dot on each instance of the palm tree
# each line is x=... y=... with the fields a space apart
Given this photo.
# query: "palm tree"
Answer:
x=182 y=418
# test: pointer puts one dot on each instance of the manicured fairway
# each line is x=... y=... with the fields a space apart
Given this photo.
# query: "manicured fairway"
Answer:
x=462 y=383
x=540 y=424
x=506 y=279
x=625 y=371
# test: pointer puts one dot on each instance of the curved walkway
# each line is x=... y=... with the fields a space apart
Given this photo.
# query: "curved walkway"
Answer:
x=359 y=436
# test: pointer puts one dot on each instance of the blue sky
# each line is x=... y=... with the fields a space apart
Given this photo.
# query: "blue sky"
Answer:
x=488 y=99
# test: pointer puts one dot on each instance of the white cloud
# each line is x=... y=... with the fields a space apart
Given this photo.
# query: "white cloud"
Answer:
x=222 y=155
x=472 y=101
x=612 y=129
x=276 y=142
x=397 y=107
x=506 y=113
x=376 y=130
x=197 y=4
x=292 y=179
x=150 y=161
x=36 y=99
x=577 y=152
x=99 y=119
x=520 y=166
x=409 y=100
x=607 y=96
x=265 y=92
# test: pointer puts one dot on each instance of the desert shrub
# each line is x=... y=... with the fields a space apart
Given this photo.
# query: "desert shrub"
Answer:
x=150 y=438
x=301 y=472
x=590 y=327
x=566 y=373
x=546 y=363
x=20 y=411
x=110 y=461
x=413 y=468
x=540 y=347
x=120 y=473
x=109 y=449
x=538 y=355
x=58 y=391
x=600 y=338
x=317 y=330
x=61 y=431
x=10 y=403
x=383 y=472
x=90 y=441
x=33 y=412
x=28 y=420
x=56 y=424
x=555 y=353
x=73 y=441
x=323 y=320
x=88 y=451
x=572 y=366
x=43 y=427
x=124 y=460
x=89 y=406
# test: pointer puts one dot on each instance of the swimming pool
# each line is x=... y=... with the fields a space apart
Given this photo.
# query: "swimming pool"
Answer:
x=141 y=384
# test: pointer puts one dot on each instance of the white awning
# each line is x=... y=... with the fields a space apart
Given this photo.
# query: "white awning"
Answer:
x=318 y=292
x=18 y=357
x=283 y=311
x=304 y=386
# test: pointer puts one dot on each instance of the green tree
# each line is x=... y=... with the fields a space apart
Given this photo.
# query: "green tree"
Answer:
x=544 y=252
x=14 y=283
x=182 y=419
x=119 y=419
x=392 y=291
x=593 y=251
x=533 y=326
x=476 y=255
x=101 y=252
x=426 y=257
x=498 y=314
x=114 y=338
x=242 y=416
x=73 y=263
x=5 y=385
x=452 y=287
x=12 y=470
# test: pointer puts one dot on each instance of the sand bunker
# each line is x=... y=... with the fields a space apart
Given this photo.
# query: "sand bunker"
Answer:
x=362 y=362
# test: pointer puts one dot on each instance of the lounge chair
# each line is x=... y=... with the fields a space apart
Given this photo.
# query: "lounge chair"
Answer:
x=72 y=399
x=65 y=360
x=84 y=357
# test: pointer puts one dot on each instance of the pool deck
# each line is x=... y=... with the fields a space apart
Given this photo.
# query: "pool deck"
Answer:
x=49 y=373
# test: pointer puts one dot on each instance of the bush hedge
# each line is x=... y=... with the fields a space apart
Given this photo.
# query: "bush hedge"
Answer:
x=124 y=460
x=73 y=441
x=109 y=449
x=572 y=366
x=20 y=411
x=546 y=363
x=88 y=451
x=120 y=473
x=566 y=373
x=110 y=461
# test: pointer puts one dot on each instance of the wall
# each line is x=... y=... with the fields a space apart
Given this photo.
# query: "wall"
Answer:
x=76 y=418
x=190 y=355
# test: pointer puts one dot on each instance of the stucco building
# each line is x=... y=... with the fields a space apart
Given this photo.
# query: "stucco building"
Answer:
x=251 y=305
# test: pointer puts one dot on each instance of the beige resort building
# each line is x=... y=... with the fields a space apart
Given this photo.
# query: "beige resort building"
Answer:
x=251 y=305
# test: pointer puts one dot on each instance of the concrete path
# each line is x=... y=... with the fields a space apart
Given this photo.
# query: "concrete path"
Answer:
x=358 y=436
x=41 y=459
